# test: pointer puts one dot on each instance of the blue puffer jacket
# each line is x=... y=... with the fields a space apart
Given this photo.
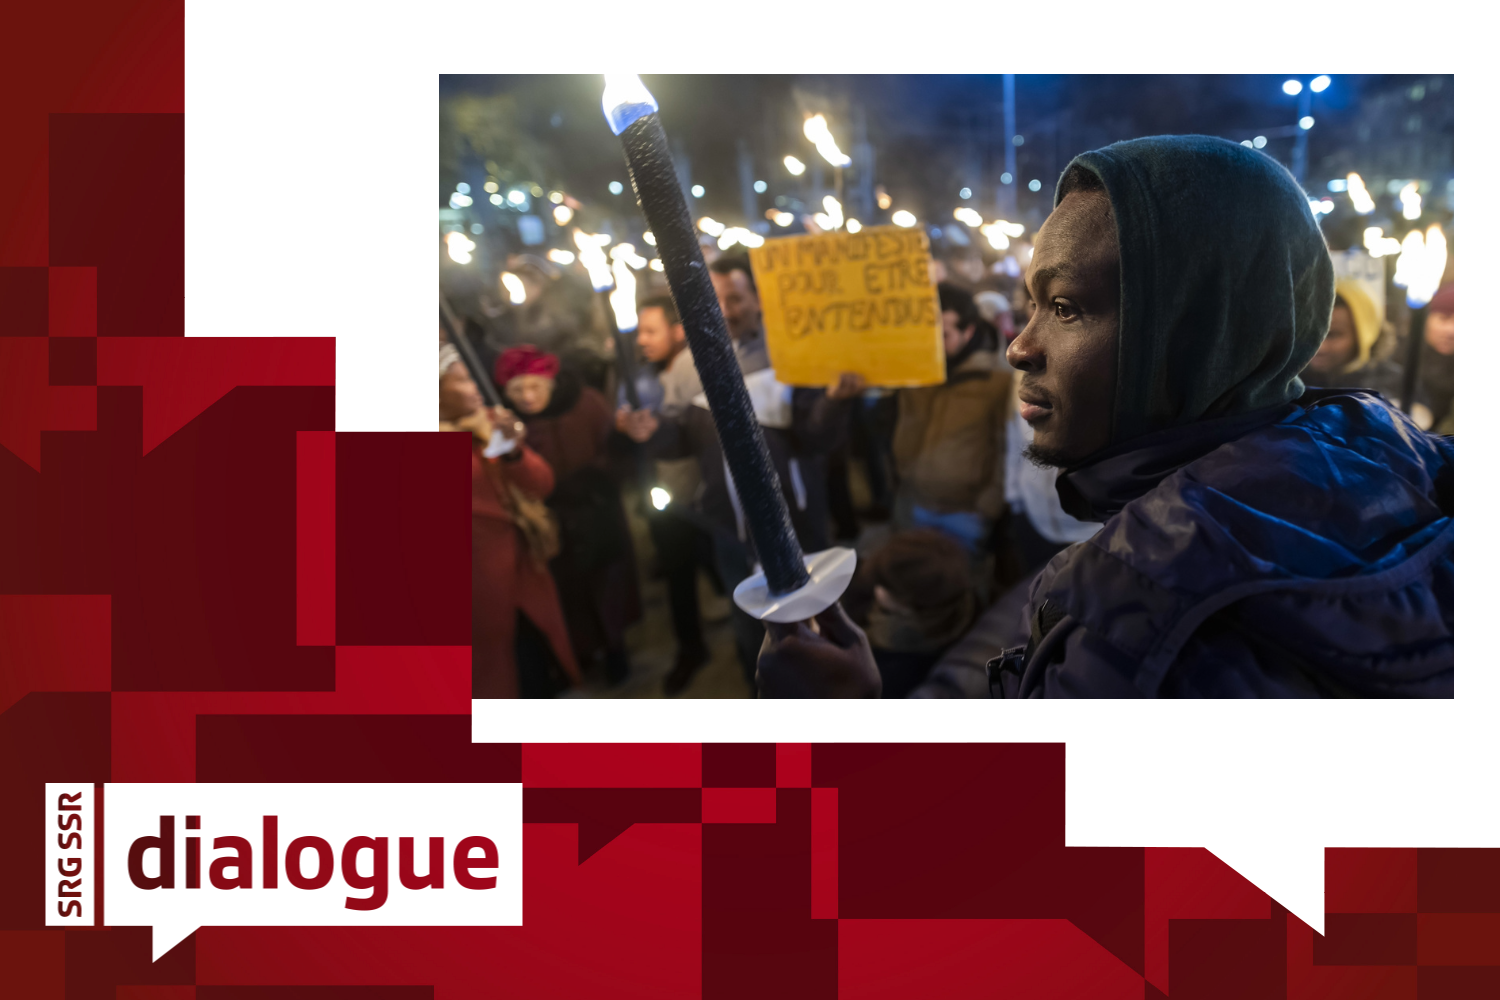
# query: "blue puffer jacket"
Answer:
x=1300 y=551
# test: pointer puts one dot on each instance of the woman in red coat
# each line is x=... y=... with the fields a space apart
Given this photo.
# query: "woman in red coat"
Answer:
x=520 y=640
x=568 y=423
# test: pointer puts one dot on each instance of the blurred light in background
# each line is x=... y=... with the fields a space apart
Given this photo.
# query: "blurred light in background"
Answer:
x=1305 y=122
x=656 y=265
x=1411 y=203
x=615 y=187
x=996 y=235
x=497 y=199
x=760 y=187
x=965 y=193
x=711 y=227
x=853 y=226
x=1011 y=228
x=1034 y=185
x=968 y=217
x=1363 y=203
x=735 y=234
x=1320 y=84
x=650 y=238
x=660 y=498
x=822 y=221
x=698 y=191
x=835 y=211
x=1247 y=142
x=515 y=197
x=564 y=257
x=882 y=200
x=591 y=256
x=1420 y=267
x=1320 y=206
x=1292 y=87
x=459 y=200
x=561 y=214
x=784 y=219
x=463 y=188
x=514 y=288
x=1006 y=178
x=904 y=218
x=1019 y=140
x=622 y=299
x=1338 y=185
x=492 y=186
x=1259 y=142
x=794 y=165
x=1379 y=244
x=460 y=247
x=816 y=130
x=626 y=252
x=556 y=197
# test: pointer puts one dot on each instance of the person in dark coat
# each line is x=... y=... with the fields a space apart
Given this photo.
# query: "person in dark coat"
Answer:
x=1356 y=354
x=568 y=424
x=1258 y=540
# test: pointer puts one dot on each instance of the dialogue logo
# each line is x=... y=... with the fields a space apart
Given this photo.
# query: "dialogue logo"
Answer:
x=178 y=856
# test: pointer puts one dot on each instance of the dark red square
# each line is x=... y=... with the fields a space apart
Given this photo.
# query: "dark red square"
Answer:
x=23 y=302
x=1228 y=959
x=72 y=361
x=1367 y=939
x=1458 y=880
x=1457 y=982
x=739 y=765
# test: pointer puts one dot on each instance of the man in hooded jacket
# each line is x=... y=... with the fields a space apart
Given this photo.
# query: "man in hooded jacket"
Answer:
x=1258 y=539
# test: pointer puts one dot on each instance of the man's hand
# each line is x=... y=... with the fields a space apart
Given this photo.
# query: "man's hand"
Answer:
x=638 y=425
x=833 y=662
x=508 y=424
x=846 y=386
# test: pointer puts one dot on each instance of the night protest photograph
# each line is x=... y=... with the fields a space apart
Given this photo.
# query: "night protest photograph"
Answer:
x=903 y=386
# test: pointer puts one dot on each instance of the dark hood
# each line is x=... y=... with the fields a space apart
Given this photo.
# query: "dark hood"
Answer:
x=1226 y=286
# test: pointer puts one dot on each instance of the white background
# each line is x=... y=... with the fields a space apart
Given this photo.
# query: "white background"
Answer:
x=312 y=198
x=335 y=812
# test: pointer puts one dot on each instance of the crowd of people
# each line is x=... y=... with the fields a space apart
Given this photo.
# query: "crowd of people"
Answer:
x=966 y=499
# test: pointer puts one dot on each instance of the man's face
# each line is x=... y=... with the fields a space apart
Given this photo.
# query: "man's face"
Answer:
x=739 y=303
x=1339 y=347
x=658 y=339
x=458 y=396
x=1439 y=332
x=1067 y=350
x=955 y=336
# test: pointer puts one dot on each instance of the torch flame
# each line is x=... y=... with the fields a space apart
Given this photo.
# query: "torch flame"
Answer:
x=626 y=100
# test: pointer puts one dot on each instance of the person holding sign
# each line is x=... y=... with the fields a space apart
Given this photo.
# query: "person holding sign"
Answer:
x=1258 y=540
x=950 y=438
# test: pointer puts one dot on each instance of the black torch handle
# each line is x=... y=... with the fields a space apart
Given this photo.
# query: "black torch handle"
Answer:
x=755 y=480
x=624 y=356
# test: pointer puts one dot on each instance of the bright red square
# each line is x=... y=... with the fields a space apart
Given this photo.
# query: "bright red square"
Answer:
x=794 y=765
x=739 y=805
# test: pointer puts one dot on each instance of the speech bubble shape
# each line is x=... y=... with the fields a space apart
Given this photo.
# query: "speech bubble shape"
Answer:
x=310 y=855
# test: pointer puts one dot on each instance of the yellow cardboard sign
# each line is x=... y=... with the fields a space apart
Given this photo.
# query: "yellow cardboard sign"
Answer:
x=851 y=302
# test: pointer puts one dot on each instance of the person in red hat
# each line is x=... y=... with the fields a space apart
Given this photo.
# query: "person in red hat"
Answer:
x=569 y=423
x=520 y=640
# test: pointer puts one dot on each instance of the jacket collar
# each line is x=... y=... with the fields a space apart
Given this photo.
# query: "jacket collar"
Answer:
x=1107 y=481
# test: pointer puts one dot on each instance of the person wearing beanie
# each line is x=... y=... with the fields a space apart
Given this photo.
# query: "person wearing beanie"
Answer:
x=520 y=641
x=1356 y=352
x=568 y=423
x=1258 y=539
x=914 y=598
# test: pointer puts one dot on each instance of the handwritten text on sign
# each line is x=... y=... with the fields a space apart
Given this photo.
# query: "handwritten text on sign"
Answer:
x=851 y=302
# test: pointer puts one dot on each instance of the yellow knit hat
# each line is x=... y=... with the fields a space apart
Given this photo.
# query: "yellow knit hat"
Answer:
x=1366 y=320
